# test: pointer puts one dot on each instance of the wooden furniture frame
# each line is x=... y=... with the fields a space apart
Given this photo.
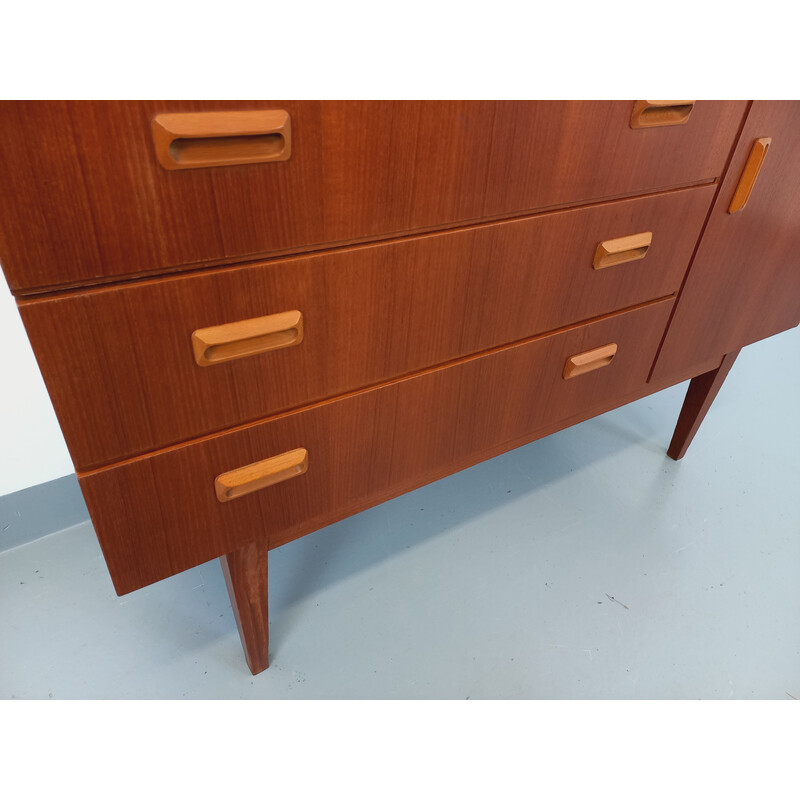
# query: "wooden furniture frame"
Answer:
x=255 y=319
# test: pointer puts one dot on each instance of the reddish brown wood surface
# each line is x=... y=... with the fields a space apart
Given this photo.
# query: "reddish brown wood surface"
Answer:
x=588 y=150
x=83 y=198
x=119 y=363
x=744 y=283
x=159 y=514
x=83 y=201
x=245 y=572
x=699 y=397
x=45 y=208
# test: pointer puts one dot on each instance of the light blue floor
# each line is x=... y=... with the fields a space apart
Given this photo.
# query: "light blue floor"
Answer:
x=496 y=582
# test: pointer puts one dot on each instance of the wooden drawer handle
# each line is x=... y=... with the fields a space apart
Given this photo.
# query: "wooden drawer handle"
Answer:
x=247 y=337
x=253 y=477
x=619 y=251
x=657 y=113
x=751 y=169
x=588 y=361
x=221 y=138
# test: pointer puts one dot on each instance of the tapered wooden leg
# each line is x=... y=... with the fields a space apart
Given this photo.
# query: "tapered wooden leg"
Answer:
x=245 y=573
x=702 y=391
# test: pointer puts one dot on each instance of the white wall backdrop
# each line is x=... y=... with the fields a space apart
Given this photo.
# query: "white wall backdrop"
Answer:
x=32 y=448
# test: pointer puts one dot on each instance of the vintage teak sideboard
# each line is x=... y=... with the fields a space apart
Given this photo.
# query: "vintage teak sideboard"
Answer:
x=257 y=318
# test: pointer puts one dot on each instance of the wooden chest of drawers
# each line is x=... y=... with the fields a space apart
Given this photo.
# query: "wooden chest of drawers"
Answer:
x=257 y=318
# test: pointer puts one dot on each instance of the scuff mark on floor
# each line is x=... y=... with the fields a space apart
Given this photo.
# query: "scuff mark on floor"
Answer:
x=614 y=600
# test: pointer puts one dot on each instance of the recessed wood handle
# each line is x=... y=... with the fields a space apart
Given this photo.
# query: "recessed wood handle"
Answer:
x=590 y=360
x=253 y=477
x=657 y=113
x=247 y=337
x=751 y=169
x=221 y=138
x=618 y=251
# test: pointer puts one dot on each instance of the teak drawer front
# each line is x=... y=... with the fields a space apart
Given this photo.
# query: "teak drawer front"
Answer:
x=83 y=197
x=160 y=514
x=119 y=362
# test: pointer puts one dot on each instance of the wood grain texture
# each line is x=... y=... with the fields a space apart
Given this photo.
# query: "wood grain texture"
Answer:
x=593 y=152
x=699 y=397
x=159 y=514
x=744 y=282
x=119 y=364
x=358 y=170
x=45 y=210
x=245 y=572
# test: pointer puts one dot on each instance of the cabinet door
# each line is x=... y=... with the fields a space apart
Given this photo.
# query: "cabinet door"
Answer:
x=744 y=283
